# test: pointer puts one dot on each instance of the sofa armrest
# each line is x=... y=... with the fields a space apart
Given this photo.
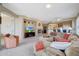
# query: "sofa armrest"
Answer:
x=54 y=52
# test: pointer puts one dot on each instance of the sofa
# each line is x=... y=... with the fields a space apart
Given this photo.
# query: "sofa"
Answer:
x=73 y=50
x=0 y=40
x=46 y=50
x=65 y=37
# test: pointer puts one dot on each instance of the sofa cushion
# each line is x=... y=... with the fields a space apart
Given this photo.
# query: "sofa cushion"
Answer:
x=75 y=43
x=60 y=35
x=46 y=43
x=73 y=37
x=39 y=45
x=54 y=52
x=53 y=33
x=61 y=40
x=50 y=39
x=41 y=53
x=72 y=51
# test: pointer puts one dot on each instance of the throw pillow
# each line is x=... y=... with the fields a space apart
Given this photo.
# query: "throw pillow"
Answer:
x=72 y=37
x=39 y=45
x=66 y=36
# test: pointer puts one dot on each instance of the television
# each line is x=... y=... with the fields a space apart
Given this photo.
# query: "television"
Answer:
x=29 y=29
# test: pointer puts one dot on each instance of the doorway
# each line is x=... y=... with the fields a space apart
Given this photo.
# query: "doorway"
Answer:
x=45 y=29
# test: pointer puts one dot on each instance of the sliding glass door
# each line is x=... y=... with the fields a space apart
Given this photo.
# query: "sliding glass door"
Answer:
x=7 y=25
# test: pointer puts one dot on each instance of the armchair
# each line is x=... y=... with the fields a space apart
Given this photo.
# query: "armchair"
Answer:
x=45 y=50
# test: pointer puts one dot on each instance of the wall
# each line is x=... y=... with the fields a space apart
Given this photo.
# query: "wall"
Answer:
x=52 y=26
x=19 y=27
x=61 y=25
x=7 y=11
x=38 y=27
x=67 y=24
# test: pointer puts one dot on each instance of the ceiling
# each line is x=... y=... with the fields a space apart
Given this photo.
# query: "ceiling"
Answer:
x=39 y=10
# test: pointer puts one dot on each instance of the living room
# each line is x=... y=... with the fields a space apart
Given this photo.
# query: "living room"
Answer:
x=39 y=29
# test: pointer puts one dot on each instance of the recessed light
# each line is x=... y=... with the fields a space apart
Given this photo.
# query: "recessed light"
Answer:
x=48 y=6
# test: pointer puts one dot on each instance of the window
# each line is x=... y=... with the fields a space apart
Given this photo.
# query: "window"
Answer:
x=64 y=30
x=58 y=30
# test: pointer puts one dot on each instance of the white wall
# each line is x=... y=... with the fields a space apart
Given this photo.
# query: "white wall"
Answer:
x=38 y=27
x=19 y=29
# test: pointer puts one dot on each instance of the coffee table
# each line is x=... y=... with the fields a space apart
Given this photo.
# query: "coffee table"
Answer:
x=60 y=45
